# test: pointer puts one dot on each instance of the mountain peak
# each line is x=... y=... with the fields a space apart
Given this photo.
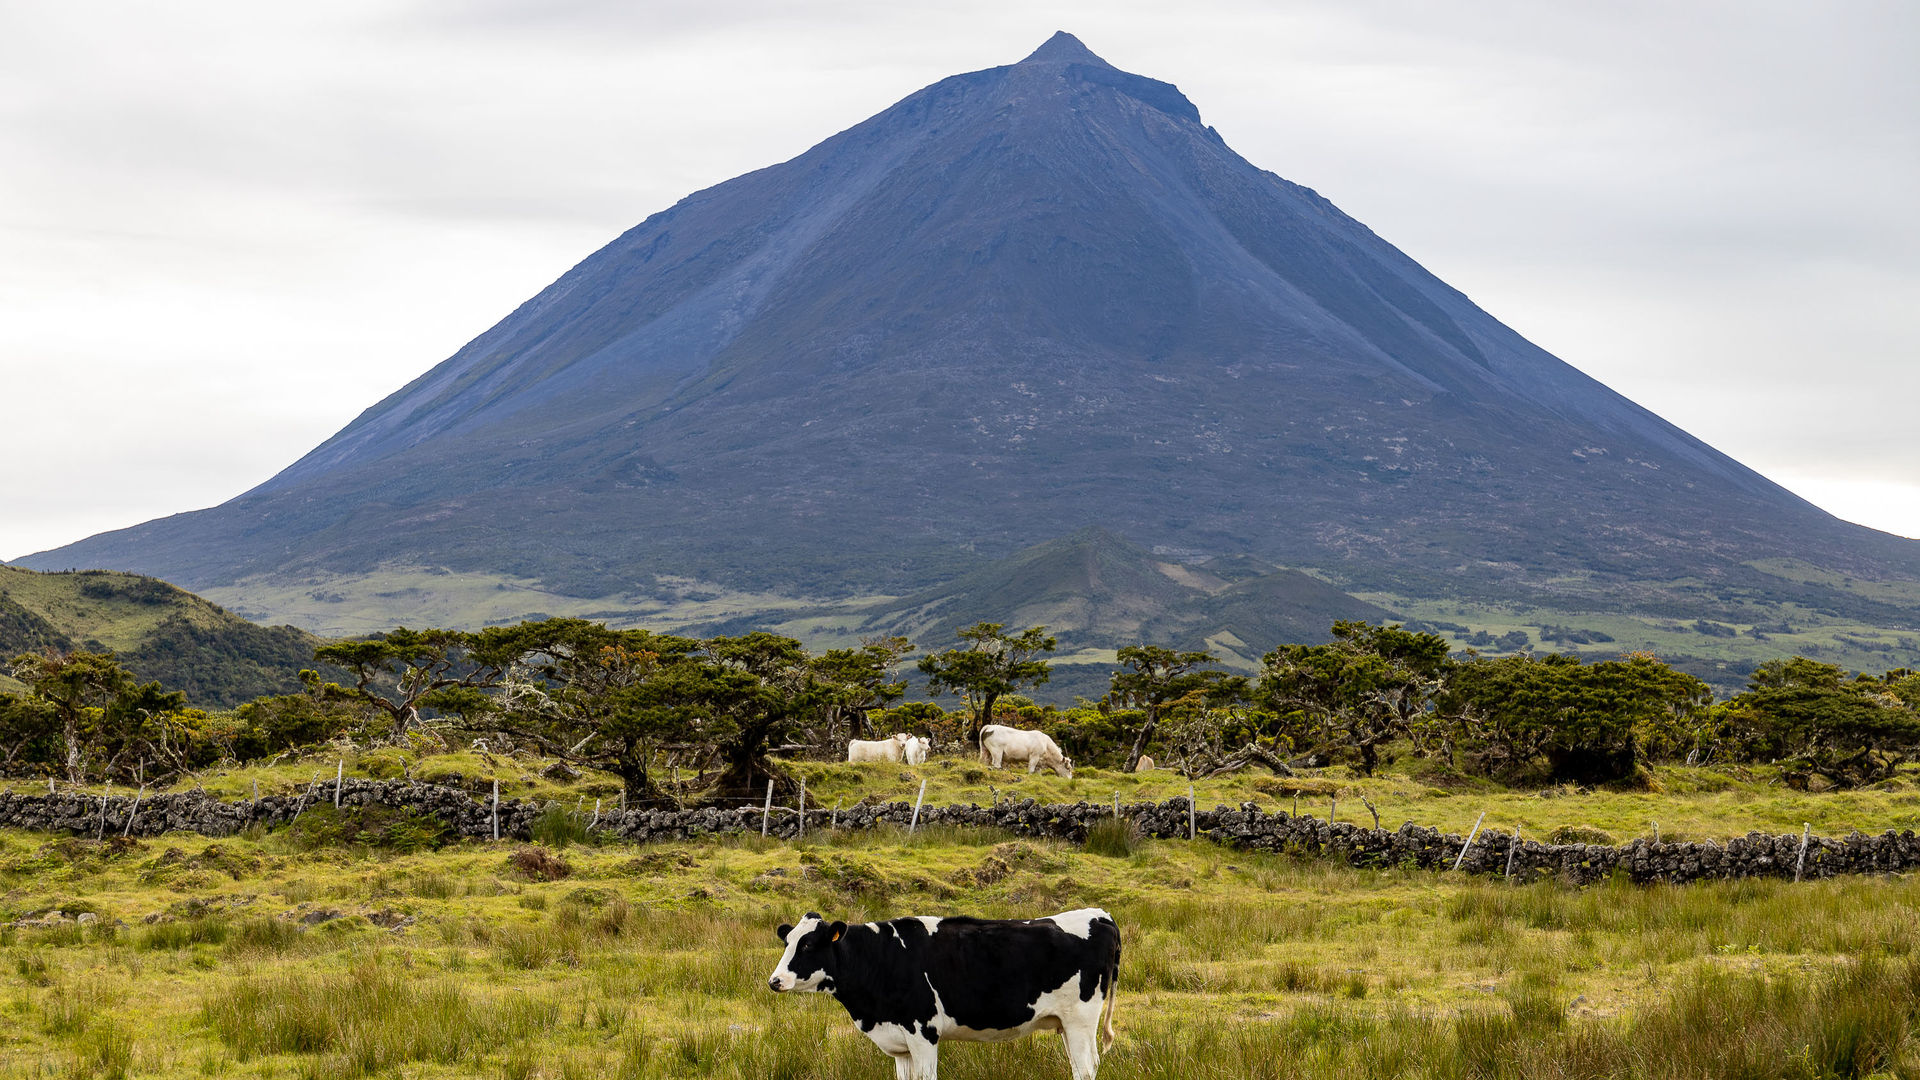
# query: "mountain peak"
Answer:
x=1063 y=48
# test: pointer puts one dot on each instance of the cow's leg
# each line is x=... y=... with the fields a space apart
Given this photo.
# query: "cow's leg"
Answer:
x=1083 y=1047
x=902 y=1067
x=1032 y=764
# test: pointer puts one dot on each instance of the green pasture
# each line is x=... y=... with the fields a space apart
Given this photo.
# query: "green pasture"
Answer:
x=259 y=957
x=1682 y=803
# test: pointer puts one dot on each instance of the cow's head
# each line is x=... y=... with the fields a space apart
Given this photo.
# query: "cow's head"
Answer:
x=809 y=962
x=1062 y=765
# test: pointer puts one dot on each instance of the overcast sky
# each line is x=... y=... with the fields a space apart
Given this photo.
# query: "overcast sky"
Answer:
x=228 y=227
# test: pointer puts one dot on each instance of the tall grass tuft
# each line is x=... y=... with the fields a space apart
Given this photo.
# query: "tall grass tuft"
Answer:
x=557 y=827
x=103 y=1052
x=374 y=1019
x=184 y=933
x=1115 y=838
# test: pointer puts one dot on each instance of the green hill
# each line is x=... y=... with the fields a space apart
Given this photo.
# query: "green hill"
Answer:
x=159 y=632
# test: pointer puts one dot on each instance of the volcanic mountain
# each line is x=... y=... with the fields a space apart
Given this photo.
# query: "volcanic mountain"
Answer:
x=1018 y=303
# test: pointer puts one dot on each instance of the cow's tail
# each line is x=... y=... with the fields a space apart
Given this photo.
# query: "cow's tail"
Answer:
x=1113 y=991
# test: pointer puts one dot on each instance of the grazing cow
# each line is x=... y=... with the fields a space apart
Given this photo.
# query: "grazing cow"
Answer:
x=1145 y=764
x=999 y=743
x=893 y=748
x=917 y=748
x=911 y=984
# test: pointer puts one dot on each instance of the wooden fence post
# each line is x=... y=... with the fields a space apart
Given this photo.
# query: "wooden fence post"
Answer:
x=767 y=810
x=496 y=808
x=339 y=772
x=803 y=811
x=1470 y=836
x=128 y=831
x=1800 y=864
x=1190 y=828
x=915 y=823
x=1513 y=846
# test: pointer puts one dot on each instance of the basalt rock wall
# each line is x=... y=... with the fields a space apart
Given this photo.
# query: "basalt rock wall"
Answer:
x=1249 y=828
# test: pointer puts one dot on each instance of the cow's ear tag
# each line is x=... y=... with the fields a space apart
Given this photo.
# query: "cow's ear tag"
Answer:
x=836 y=935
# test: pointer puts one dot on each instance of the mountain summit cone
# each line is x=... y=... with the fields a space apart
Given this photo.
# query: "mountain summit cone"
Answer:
x=1019 y=302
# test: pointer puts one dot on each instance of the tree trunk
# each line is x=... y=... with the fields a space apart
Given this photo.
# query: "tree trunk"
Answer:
x=745 y=778
x=748 y=770
x=984 y=718
x=1141 y=740
x=1369 y=758
x=631 y=768
x=71 y=729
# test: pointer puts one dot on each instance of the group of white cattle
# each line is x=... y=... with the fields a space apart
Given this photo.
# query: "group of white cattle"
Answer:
x=999 y=746
x=902 y=748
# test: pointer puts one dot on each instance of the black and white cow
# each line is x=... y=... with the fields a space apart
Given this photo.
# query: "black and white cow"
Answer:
x=912 y=983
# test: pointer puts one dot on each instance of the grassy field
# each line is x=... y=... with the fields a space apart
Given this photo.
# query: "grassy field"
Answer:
x=253 y=957
x=264 y=956
x=1683 y=803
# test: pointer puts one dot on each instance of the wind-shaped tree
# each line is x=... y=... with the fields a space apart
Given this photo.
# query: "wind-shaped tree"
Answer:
x=989 y=665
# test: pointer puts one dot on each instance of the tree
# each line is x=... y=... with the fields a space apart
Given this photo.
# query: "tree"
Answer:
x=755 y=688
x=404 y=671
x=1587 y=721
x=1369 y=685
x=29 y=731
x=268 y=725
x=990 y=664
x=1155 y=677
x=146 y=725
x=589 y=695
x=76 y=686
x=853 y=681
x=1854 y=731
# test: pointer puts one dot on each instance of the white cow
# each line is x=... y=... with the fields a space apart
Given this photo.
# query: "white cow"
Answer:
x=893 y=748
x=1000 y=743
x=917 y=748
x=1145 y=765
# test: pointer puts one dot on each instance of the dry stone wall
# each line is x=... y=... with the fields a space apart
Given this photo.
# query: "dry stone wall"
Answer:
x=1250 y=828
